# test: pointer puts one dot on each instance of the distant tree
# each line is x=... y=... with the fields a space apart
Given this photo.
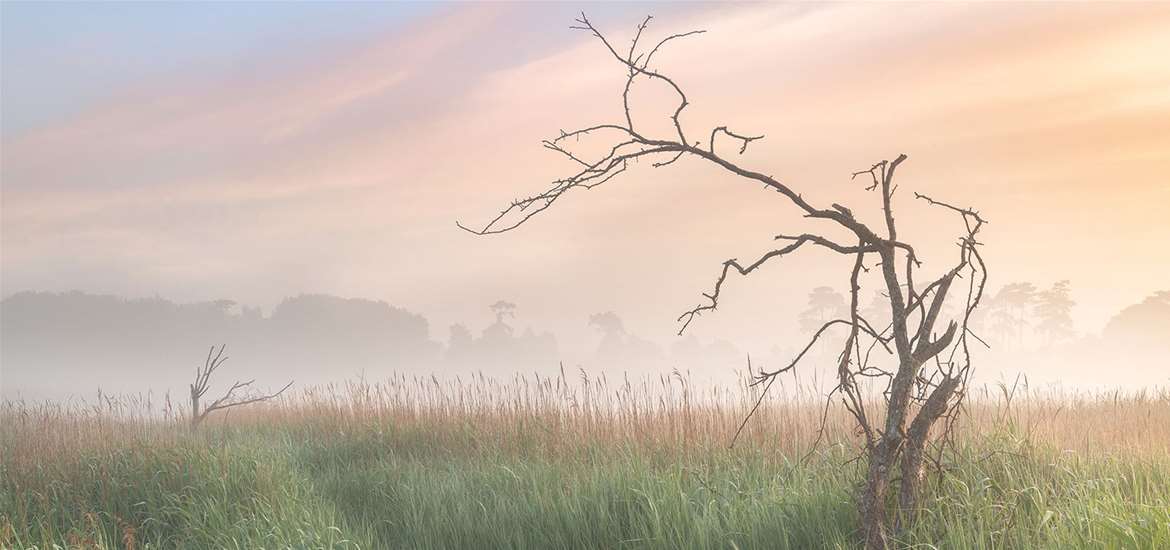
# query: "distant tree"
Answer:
x=311 y=330
x=618 y=347
x=460 y=336
x=1012 y=304
x=1053 y=311
x=499 y=329
x=460 y=344
x=503 y=309
x=1145 y=324
x=499 y=345
x=824 y=303
x=251 y=313
x=608 y=323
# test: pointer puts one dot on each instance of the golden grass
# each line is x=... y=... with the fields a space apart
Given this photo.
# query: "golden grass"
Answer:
x=565 y=461
x=564 y=413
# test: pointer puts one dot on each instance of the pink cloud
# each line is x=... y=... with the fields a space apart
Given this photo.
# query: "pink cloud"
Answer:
x=344 y=170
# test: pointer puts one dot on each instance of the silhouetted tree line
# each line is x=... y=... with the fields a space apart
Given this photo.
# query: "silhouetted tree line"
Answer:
x=499 y=347
x=1145 y=324
x=55 y=344
x=58 y=343
x=1020 y=314
x=1029 y=329
x=79 y=340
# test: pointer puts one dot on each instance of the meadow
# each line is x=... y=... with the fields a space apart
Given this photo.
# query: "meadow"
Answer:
x=568 y=461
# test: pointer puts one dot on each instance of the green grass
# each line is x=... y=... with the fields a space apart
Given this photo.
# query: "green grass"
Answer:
x=377 y=486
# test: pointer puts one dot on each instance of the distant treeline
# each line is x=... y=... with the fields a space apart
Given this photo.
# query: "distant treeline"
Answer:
x=57 y=344
x=77 y=340
x=1019 y=316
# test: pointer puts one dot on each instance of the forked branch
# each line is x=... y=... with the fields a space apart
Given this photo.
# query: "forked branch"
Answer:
x=237 y=395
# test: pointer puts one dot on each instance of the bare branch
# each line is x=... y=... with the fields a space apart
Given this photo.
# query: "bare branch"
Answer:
x=229 y=399
x=964 y=211
x=733 y=263
x=635 y=69
x=225 y=401
x=744 y=139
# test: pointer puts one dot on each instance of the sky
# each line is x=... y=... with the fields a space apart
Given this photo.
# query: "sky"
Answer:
x=254 y=151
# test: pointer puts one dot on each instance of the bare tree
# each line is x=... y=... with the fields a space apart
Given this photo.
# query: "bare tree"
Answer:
x=927 y=380
x=502 y=309
x=231 y=398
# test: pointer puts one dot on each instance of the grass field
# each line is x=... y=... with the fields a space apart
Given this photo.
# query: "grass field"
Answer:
x=566 y=463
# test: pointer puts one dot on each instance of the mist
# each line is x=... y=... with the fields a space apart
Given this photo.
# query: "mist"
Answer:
x=337 y=163
x=62 y=346
x=452 y=275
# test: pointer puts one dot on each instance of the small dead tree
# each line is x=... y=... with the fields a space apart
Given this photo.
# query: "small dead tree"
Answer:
x=230 y=398
x=924 y=383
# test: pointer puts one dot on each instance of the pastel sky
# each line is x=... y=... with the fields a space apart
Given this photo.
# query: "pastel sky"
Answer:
x=254 y=151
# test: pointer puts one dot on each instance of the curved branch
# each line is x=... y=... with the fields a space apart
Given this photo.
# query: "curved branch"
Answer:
x=591 y=176
x=733 y=263
x=225 y=402
x=635 y=69
x=744 y=139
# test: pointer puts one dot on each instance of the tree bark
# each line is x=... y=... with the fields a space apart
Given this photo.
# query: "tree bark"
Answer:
x=195 y=416
x=914 y=455
x=873 y=499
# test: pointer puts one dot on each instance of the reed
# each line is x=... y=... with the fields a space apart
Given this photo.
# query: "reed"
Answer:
x=567 y=461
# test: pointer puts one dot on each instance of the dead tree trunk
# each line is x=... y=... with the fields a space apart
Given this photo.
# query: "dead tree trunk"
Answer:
x=199 y=387
x=927 y=373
